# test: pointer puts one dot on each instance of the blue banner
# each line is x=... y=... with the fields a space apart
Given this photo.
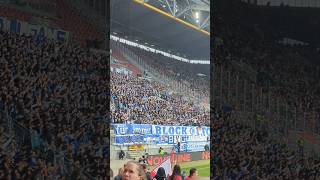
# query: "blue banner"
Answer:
x=141 y=129
x=120 y=129
x=129 y=139
x=191 y=138
x=192 y=146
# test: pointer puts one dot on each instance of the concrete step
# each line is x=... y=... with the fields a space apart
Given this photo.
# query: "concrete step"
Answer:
x=135 y=154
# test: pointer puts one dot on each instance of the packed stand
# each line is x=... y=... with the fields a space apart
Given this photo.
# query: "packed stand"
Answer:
x=240 y=152
x=289 y=72
x=194 y=75
x=56 y=93
x=138 y=100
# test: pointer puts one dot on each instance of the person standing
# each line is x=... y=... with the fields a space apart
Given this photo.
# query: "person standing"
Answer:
x=147 y=173
x=161 y=174
x=176 y=174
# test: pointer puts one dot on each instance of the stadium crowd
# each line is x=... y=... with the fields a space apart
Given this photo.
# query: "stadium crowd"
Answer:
x=196 y=76
x=138 y=100
x=132 y=170
x=55 y=92
x=289 y=71
x=240 y=152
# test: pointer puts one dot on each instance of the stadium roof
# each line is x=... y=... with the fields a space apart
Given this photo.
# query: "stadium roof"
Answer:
x=291 y=3
x=143 y=22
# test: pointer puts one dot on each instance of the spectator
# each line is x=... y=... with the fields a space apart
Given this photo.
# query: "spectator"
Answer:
x=121 y=154
x=255 y=159
x=139 y=101
x=184 y=175
x=280 y=73
x=46 y=97
x=206 y=147
x=147 y=173
x=300 y=146
x=193 y=174
x=177 y=71
x=161 y=151
x=133 y=171
x=143 y=160
x=161 y=174
x=176 y=174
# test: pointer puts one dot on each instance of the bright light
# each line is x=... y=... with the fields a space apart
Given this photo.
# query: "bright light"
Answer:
x=197 y=20
x=197 y=15
x=145 y=43
x=121 y=40
x=137 y=40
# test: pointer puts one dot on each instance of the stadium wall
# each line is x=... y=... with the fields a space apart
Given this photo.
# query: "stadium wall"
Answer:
x=149 y=149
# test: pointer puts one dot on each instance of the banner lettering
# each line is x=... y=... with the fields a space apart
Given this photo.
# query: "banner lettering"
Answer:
x=21 y=27
x=180 y=130
x=178 y=158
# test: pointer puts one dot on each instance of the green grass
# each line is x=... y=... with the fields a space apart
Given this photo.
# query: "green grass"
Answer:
x=202 y=166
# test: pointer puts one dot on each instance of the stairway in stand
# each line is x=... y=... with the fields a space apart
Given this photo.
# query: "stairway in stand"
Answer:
x=135 y=154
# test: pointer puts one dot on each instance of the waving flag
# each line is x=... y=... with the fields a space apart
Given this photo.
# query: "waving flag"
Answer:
x=166 y=166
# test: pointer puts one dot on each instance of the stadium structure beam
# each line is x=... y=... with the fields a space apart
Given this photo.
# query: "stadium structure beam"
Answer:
x=168 y=4
x=200 y=7
x=201 y=2
x=188 y=8
x=174 y=8
x=205 y=22
x=206 y=2
x=183 y=11
x=142 y=2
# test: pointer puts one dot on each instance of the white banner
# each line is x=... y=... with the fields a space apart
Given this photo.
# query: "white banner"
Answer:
x=180 y=130
x=22 y=27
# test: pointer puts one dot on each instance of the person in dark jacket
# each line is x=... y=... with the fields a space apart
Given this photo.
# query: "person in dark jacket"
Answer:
x=176 y=174
x=161 y=174
x=121 y=155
